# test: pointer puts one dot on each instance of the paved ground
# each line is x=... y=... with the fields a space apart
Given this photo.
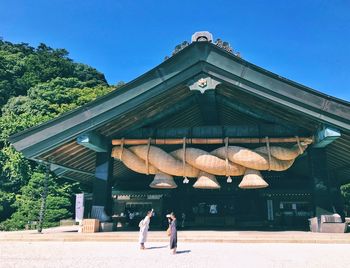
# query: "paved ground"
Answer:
x=70 y=234
x=126 y=254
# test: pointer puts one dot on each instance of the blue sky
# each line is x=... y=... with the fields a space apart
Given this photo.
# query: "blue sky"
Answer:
x=305 y=41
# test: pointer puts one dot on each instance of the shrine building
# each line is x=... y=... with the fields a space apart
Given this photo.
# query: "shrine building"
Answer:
x=209 y=135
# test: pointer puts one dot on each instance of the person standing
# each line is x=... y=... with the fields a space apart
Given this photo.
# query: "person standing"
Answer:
x=144 y=226
x=173 y=232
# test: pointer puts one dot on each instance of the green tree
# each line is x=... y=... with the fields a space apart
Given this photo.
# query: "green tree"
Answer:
x=22 y=67
x=36 y=85
x=345 y=192
x=28 y=202
x=53 y=98
x=15 y=172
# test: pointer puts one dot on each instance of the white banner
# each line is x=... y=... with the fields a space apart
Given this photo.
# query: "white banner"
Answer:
x=79 y=207
x=269 y=210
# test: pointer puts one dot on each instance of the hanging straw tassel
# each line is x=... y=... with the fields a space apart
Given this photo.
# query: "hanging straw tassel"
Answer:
x=206 y=181
x=301 y=150
x=121 y=149
x=252 y=179
x=229 y=179
x=268 y=152
x=186 y=180
x=163 y=181
x=147 y=157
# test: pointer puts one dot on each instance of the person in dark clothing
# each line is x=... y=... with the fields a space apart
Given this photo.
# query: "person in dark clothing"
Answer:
x=173 y=232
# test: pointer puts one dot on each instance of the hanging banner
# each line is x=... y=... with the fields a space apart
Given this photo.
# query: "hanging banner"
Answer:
x=269 y=210
x=79 y=207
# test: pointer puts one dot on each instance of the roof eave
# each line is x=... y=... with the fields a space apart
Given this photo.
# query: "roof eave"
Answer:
x=199 y=57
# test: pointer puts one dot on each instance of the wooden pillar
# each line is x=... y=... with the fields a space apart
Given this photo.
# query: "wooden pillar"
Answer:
x=319 y=175
x=102 y=185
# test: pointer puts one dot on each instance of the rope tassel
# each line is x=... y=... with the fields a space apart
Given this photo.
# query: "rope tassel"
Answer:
x=186 y=180
x=229 y=179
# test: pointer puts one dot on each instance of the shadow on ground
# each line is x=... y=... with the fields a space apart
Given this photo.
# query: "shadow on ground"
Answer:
x=183 y=251
x=158 y=247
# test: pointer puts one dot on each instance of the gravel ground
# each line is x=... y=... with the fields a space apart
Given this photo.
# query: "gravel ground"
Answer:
x=118 y=254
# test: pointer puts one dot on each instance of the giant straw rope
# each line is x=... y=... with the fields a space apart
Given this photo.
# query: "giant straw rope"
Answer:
x=223 y=161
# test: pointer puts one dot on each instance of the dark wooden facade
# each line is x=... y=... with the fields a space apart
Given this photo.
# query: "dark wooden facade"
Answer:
x=239 y=100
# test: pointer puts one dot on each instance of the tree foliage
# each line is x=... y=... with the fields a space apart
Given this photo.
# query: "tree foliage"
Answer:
x=345 y=192
x=36 y=85
x=23 y=66
x=28 y=202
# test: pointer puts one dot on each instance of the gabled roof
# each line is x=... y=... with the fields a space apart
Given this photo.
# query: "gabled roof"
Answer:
x=142 y=100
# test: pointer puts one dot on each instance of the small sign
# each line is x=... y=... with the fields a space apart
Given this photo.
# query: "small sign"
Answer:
x=79 y=207
x=294 y=206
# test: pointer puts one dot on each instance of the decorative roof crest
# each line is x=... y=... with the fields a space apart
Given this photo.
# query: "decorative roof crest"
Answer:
x=205 y=36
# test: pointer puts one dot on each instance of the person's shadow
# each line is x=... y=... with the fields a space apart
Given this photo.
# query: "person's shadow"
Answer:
x=177 y=252
x=158 y=247
x=183 y=251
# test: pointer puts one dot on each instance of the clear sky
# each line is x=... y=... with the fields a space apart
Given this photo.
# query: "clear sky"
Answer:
x=303 y=40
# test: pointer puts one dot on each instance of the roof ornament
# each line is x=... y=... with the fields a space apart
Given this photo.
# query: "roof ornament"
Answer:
x=180 y=47
x=202 y=82
x=226 y=46
x=204 y=36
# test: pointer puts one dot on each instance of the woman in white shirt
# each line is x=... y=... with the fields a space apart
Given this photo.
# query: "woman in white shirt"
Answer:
x=144 y=225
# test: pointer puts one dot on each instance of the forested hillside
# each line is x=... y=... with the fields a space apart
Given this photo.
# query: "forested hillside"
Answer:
x=37 y=84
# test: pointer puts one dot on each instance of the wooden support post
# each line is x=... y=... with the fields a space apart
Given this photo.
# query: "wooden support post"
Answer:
x=321 y=182
x=102 y=185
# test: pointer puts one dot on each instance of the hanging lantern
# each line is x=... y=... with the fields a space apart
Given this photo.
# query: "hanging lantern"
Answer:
x=163 y=181
x=252 y=179
x=206 y=181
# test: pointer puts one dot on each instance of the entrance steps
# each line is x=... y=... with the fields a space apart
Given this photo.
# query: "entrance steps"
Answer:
x=65 y=234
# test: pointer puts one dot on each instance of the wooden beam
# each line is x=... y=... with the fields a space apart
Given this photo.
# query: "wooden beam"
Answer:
x=232 y=131
x=341 y=168
x=207 y=141
x=93 y=141
x=86 y=183
x=325 y=136
x=59 y=168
